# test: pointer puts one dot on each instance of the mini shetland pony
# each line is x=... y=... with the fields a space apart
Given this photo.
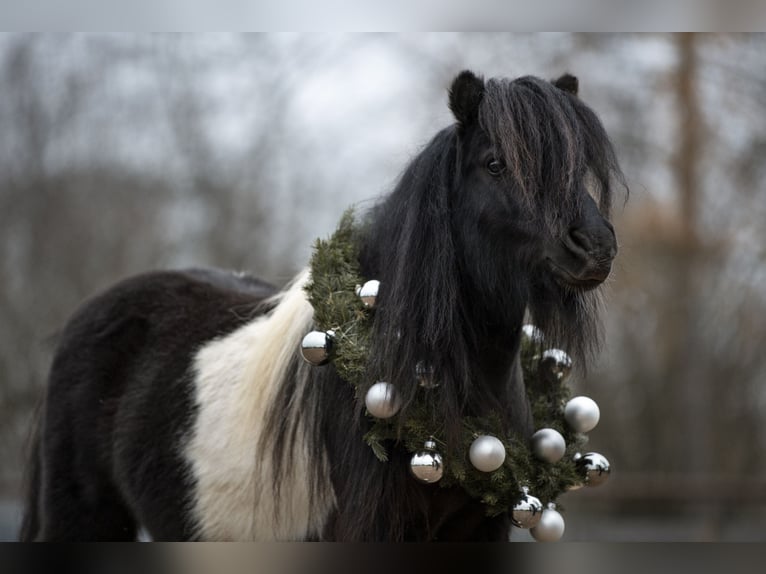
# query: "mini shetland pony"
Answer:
x=178 y=402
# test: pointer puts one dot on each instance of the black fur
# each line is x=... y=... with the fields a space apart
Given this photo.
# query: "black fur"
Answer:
x=465 y=97
x=493 y=219
x=568 y=83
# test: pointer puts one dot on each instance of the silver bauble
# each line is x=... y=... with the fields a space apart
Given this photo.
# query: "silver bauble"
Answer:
x=551 y=526
x=548 y=445
x=369 y=292
x=316 y=347
x=382 y=400
x=426 y=465
x=594 y=468
x=556 y=363
x=425 y=375
x=532 y=334
x=582 y=414
x=527 y=512
x=487 y=453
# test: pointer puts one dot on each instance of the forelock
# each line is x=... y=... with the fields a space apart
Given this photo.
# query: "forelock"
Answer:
x=551 y=142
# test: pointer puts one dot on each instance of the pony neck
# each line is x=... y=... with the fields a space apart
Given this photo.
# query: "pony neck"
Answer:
x=481 y=344
x=497 y=342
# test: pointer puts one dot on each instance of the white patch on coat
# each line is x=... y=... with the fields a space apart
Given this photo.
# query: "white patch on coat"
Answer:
x=237 y=382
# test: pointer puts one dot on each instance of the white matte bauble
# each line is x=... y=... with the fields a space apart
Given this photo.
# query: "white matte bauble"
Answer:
x=487 y=453
x=527 y=512
x=594 y=468
x=368 y=292
x=551 y=526
x=556 y=363
x=548 y=445
x=382 y=400
x=582 y=414
x=426 y=465
x=316 y=347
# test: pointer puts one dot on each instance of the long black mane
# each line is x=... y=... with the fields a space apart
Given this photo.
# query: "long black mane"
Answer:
x=551 y=142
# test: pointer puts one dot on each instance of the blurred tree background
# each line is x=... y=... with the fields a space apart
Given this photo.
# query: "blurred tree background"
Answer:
x=122 y=153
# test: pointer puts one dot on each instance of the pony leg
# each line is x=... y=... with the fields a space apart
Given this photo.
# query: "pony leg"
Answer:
x=77 y=501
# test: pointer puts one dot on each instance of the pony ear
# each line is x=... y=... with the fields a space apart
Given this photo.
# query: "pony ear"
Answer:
x=568 y=83
x=465 y=96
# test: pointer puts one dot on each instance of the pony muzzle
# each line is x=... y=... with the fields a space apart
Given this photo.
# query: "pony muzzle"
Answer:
x=584 y=257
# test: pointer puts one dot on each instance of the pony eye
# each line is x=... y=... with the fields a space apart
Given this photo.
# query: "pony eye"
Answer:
x=495 y=166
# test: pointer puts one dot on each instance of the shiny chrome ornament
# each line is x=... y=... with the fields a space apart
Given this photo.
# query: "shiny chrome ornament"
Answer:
x=487 y=453
x=368 y=292
x=425 y=375
x=548 y=445
x=528 y=511
x=316 y=347
x=556 y=363
x=382 y=400
x=426 y=465
x=550 y=527
x=594 y=468
x=582 y=414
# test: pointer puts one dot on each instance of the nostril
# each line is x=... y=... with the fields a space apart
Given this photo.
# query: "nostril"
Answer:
x=580 y=240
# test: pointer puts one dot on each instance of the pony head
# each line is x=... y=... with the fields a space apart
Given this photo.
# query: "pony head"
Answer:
x=505 y=212
x=532 y=199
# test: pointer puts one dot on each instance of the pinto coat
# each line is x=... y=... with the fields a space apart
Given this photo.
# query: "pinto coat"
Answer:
x=177 y=401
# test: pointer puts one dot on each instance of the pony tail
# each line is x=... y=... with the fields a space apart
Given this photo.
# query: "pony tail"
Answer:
x=30 y=523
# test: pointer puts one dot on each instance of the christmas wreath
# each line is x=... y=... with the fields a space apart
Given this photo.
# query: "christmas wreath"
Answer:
x=507 y=473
